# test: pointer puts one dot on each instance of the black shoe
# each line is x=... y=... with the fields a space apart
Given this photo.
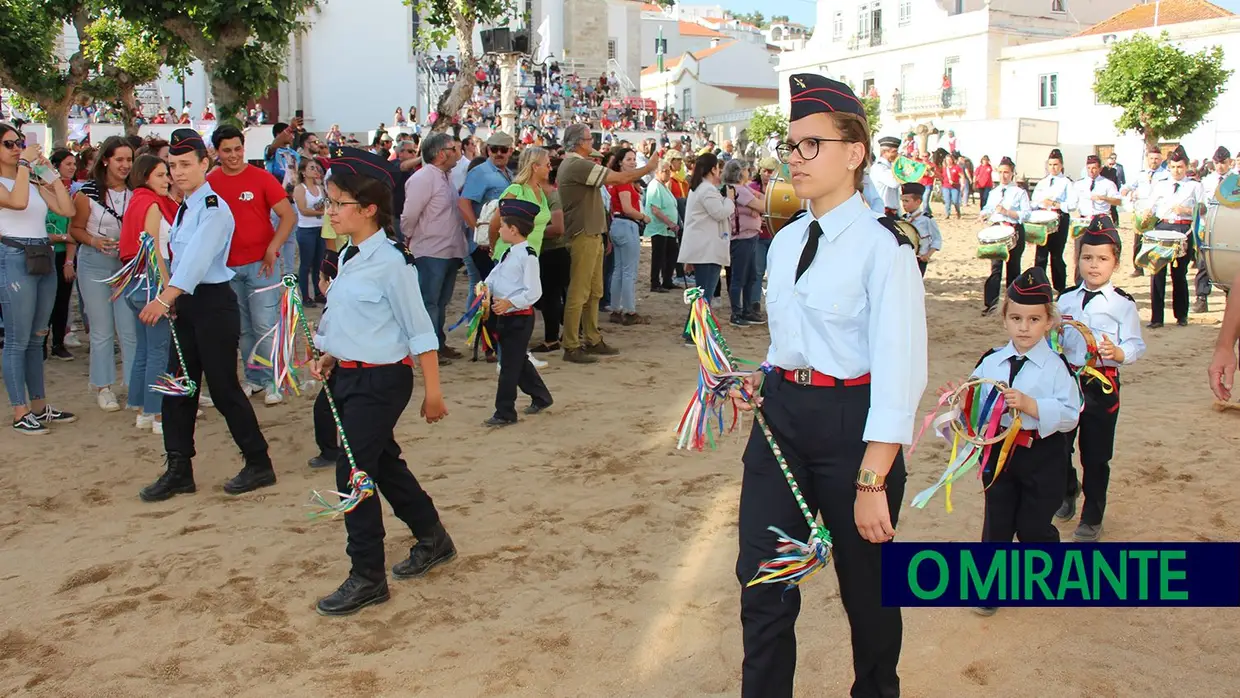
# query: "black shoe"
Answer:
x=178 y=478
x=356 y=593
x=1182 y=323
x=309 y=303
x=755 y=318
x=497 y=422
x=435 y=549
x=257 y=472
x=51 y=415
x=322 y=461
x=739 y=321
x=1154 y=325
x=990 y=309
x=658 y=289
x=62 y=353
x=669 y=286
x=536 y=408
x=1067 y=510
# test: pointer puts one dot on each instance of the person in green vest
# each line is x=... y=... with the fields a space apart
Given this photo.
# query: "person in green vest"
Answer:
x=530 y=184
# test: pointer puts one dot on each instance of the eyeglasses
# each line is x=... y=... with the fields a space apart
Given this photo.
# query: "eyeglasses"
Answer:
x=807 y=148
x=333 y=205
x=500 y=149
x=14 y=145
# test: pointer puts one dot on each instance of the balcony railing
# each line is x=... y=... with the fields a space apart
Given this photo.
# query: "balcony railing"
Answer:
x=953 y=99
x=874 y=38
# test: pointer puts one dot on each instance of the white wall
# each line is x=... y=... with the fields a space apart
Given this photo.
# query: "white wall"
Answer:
x=676 y=44
x=1085 y=123
x=739 y=65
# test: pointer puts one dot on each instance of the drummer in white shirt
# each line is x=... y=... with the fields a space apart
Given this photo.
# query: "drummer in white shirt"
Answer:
x=1093 y=196
x=1209 y=186
x=1009 y=204
x=882 y=174
x=1174 y=200
x=1054 y=193
x=1140 y=191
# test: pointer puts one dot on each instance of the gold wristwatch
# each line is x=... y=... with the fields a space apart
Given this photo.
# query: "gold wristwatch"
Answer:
x=870 y=481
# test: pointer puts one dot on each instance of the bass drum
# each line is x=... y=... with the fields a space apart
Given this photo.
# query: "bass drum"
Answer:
x=781 y=204
x=1220 y=244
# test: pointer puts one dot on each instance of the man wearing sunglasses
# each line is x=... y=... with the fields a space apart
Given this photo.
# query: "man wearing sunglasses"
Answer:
x=484 y=184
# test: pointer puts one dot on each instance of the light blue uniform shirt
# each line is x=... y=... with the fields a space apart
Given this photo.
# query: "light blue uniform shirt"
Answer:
x=928 y=232
x=1112 y=315
x=873 y=199
x=1011 y=197
x=1057 y=188
x=375 y=312
x=199 y=241
x=1045 y=378
x=859 y=308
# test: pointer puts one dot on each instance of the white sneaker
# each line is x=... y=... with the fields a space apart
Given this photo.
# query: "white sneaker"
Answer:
x=72 y=342
x=272 y=398
x=205 y=401
x=107 y=401
x=309 y=387
x=538 y=363
x=157 y=427
x=144 y=421
x=250 y=389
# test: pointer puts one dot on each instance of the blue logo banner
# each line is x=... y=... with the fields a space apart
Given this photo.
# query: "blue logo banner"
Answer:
x=1061 y=574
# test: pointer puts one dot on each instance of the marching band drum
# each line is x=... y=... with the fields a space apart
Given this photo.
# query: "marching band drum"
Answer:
x=1159 y=248
x=996 y=241
x=1220 y=232
x=1042 y=224
x=781 y=203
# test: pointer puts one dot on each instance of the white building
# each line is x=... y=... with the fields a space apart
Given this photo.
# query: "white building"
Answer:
x=682 y=36
x=911 y=44
x=1054 y=81
x=729 y=76
x=787 y=36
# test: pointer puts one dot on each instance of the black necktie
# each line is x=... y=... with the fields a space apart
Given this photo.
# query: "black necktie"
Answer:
x=181 y=212
x=1017 y=362
x=1092 y=183
x=1089 y=296
x=348 y=254
x=1175 y=188
x=809 y=251
x=505 y=255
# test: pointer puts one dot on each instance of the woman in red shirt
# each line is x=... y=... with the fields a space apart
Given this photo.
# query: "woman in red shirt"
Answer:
x=951 y=175
x=928 y=179
x=983 y=179
x=626 y=221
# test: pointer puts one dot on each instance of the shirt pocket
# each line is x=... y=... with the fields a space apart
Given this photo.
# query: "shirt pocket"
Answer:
x=840 y=306
x=370 y=303
x=1106 y=325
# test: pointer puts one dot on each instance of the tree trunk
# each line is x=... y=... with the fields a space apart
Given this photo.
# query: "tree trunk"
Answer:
x=455 y=97
x=57 y=123
x=227 y=101
x=129 y=108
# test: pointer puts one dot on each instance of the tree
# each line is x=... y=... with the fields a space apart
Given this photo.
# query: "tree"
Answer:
x=873 y=113
x=125 y=56
x=30 y=60
x=441 y=20
x=241 y=43
x=1164 y=91
x=766 y=122
x=754 y=18
x=780 y=19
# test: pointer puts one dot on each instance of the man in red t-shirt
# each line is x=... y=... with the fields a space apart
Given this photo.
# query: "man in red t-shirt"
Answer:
x=252 y=194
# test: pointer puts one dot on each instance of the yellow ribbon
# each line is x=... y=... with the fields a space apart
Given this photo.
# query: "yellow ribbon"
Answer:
x=1013 y=432
x=1107 y=386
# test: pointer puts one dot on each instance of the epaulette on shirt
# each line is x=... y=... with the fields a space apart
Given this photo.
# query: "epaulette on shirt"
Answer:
x=211 y=201
x=795 y=216
x=1068 y=290
x=988 y=353
x=1124 y=293
x=890 y=224
x=405 y=251
x=531 y=251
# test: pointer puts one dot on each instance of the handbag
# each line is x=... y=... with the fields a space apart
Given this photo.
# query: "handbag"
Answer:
x=482 y=231
x=39 y=256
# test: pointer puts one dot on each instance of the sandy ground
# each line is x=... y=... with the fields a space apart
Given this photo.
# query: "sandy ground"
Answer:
x=595 y=559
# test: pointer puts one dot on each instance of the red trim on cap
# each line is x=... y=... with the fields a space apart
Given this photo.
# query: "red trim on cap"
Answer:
x=828 y=89
x=814 y=99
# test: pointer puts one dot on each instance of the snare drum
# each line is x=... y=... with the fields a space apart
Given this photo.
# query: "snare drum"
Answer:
x=1159 y=248
x=1145 y=220
x=996 y=241
x=1077 y=227
x=1220 y=244
x=1047 y=219
x=1036 y=233
x=781 y=204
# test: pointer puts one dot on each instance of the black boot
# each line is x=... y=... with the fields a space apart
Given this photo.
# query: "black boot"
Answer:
x=432 y=550
x=257 y=472
x=358 y=591
x=178 y=478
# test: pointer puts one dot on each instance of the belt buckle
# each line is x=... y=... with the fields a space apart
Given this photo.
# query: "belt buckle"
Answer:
x=802 y=376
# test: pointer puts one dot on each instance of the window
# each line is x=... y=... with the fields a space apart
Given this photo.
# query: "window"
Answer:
x=686 y=102
x=611 y=49
x=863 y=22
x=1057 y=6
x=838 y=28
x=867 y=81
x=957 y=7
x=949 y=68
x=1048 y=96
x=906 y=12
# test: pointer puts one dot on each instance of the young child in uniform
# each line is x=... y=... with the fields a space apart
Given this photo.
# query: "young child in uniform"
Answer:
x=1021 y=501
x=1112 y=318
x=515 y=287
x=931 y=240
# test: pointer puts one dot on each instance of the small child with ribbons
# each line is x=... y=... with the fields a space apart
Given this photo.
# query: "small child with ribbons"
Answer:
x=1114 y=328
x=1022 y=475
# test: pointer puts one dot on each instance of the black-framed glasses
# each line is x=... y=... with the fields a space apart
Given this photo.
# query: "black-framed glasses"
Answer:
x=14 y=144
x=807 y=148
x=333 y=205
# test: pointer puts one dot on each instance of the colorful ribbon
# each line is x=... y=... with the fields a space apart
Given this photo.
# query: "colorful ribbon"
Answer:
x=973 y=413
x=795 y=561
x=476 y=315
x=1093 y=360
x=288 y=351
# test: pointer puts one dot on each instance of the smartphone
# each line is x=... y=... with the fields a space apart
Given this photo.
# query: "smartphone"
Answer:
x=300 y=113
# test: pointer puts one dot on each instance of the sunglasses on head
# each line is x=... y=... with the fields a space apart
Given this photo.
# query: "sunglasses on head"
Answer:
x=14 y=144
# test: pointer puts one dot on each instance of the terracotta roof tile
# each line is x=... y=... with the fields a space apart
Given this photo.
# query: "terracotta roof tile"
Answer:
x=672 y=63
x=691 y=29
x=1169 y=12
x=771 y=93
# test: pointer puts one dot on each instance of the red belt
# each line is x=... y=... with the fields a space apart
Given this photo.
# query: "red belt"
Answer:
x=1183 y=221
x=1025 y=438
x=408 y=361
x=527 y=311
x=1108 y=371
x=808 y=376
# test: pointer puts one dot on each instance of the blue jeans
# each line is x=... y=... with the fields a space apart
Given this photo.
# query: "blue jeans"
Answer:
x=26 y=302
x=951 y=197
x=150 y=360
x=286 y=263
x=746 y=287
x=628 y=247
x=764 y=247
x=311 y=247
x=109 y=320
x=259 y=312
x=437 y=279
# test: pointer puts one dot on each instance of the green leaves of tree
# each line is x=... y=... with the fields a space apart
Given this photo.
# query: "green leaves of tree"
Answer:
x=1164 y=91
x=765 y=122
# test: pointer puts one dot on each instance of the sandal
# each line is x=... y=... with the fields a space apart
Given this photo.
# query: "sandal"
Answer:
x=545 y=347
x=635 y=319
x=616 y=317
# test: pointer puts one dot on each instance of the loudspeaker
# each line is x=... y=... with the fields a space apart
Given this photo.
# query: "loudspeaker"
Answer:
x=521 y=42
x=497 y=40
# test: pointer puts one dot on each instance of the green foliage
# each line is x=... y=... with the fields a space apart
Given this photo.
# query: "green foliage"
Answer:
x=873 y=113
x=754 y=18
x=780 y=18
x=1164 y=91
x=440 y=19
x=28 y=61
x=764 y=122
